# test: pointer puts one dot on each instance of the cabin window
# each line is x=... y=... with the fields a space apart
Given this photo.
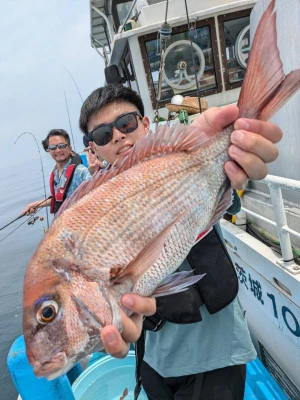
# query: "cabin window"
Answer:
x=183 y=62
x=235 y=42
x=127 y=68
x=120 y=10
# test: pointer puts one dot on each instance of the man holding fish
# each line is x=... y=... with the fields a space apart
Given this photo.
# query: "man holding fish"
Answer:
x=177 y=354
x=155 y=211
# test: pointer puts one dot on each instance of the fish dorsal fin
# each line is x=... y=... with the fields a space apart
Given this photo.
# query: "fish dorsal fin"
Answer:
x=86 y=187
x=264 y=71
x=165 y=140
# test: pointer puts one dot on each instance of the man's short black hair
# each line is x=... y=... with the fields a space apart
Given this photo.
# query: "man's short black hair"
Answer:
x=106 y=95
x=55 y=132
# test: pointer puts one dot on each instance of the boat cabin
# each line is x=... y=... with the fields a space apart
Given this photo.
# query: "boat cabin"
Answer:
x=202 y=45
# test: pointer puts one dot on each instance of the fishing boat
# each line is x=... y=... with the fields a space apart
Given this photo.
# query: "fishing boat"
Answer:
x=167 y=50
x=183 y=56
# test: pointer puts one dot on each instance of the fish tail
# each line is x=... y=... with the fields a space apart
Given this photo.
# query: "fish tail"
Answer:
x=285 y=90
x=266 y=88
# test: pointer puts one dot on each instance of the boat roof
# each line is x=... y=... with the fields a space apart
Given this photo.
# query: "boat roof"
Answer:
x=99 y=35
x=103 y=26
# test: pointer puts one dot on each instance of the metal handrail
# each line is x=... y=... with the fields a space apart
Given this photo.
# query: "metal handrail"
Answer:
x=275 y=184
x=106 y=20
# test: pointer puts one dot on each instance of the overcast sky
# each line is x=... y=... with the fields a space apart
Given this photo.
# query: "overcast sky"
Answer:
x=39 y=40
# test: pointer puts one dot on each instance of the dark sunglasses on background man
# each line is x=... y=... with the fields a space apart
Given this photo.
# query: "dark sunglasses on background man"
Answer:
x=59 y=146
x=125 y=123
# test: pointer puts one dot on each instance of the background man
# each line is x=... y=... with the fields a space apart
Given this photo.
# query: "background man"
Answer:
x=67 y=174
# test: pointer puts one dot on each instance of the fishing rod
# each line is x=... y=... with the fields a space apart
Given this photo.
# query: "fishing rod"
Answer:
x=74 y=83
x=30 y=220
x=38 y=147
x=23 y=214
x=14 y=220
x=67 y=107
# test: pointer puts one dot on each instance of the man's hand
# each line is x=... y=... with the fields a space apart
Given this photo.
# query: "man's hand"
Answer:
x=253 y=143
x=93 y=162
x=32 y=207
x=118 y=344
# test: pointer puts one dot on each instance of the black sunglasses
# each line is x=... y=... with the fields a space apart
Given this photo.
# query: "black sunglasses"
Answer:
x=125 y=123
x=57 y=146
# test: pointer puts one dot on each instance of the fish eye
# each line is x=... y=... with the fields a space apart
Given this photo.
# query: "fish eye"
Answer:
x=47 y=312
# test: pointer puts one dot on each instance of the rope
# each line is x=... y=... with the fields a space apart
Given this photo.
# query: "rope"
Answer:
x=190 y=31
x=165 y=33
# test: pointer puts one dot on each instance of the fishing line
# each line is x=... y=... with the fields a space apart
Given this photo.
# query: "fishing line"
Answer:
x=10 y=233
x=38 y=147
x=26 y=220
x=66 y=102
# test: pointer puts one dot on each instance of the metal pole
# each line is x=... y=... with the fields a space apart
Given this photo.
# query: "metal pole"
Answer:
x=284 y=236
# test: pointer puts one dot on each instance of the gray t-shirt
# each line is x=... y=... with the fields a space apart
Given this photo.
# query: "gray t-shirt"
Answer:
x=218 y=341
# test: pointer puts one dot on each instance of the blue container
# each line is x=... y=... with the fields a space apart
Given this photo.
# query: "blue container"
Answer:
x=106 y=379
x=27 y=384
x=260 y=385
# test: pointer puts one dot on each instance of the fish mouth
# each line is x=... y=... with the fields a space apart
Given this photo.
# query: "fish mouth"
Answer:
x=53 y=368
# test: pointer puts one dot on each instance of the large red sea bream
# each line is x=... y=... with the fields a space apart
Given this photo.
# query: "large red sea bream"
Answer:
x=137 y=223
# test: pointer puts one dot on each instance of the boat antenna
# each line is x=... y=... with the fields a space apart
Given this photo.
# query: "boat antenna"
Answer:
x=38 y=147
x=192 y=54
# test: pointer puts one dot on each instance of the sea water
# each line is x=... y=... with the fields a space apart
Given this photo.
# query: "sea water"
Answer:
x=20 y=185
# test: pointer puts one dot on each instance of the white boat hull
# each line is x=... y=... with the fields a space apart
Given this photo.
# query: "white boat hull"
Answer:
x=272 y=307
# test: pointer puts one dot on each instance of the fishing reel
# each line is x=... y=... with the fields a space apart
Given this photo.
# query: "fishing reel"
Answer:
x=32 y=219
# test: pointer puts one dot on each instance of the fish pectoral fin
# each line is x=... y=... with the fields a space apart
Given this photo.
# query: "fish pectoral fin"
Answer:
x=176 y=283
x=148 y=255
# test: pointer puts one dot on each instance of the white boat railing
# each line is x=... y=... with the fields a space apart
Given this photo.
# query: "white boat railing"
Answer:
x=276 y=184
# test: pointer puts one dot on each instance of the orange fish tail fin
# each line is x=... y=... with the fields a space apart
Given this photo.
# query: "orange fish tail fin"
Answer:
x=266 y=88
x=285 y=90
